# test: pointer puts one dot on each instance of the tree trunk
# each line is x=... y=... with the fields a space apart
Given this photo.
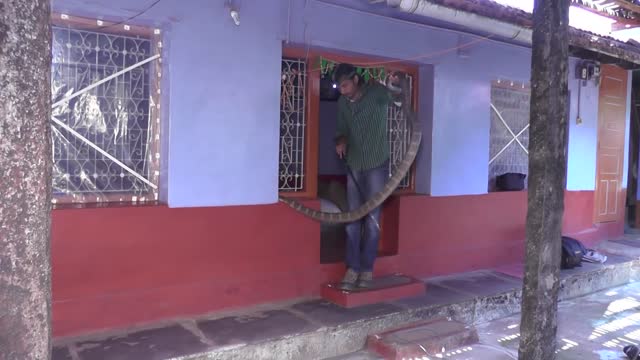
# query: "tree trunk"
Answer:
x=25 y=179
x=547 y=178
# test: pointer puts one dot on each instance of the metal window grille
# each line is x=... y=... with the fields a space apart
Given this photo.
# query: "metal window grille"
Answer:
x=399 y=137
x=115 y=116
x=509 y=133
x=292 y=125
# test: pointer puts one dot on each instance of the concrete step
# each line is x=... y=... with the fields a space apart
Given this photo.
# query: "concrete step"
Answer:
x=475 y=352
x=317 y=329
x=384 y=288
x=425 y=339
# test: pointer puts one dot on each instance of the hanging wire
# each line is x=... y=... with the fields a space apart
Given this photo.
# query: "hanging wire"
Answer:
x=142 y=12
x=422 y=56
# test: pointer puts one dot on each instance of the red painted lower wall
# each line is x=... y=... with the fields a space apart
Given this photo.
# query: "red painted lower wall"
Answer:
x=118 y=267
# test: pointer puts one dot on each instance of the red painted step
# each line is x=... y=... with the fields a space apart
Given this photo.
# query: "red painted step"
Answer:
x=424 y=339
x=384 y=288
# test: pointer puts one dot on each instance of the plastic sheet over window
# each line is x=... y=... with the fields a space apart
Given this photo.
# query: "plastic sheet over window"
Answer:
x=509 y=141
x=105 y=138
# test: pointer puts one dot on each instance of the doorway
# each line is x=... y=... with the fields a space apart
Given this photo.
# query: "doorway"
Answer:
x=332 y=172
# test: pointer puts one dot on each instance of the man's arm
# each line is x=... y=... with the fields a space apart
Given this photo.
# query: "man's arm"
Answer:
x=398 y=86
x=392 y=90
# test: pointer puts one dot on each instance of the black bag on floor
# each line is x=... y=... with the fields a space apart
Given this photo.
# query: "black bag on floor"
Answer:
x=572 y=252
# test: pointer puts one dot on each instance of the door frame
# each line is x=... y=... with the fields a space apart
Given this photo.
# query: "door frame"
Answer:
x=312 y=105
x=388 y=243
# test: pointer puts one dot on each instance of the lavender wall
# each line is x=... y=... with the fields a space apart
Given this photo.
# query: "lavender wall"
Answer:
x=583 y=138
x=425 y=103
x=462 y=114
x=225 y=105
x=221 y=132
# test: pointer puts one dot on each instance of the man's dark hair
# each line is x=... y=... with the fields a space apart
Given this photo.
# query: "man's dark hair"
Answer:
x=343 y=71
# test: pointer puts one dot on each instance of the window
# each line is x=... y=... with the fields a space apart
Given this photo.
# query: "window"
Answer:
x=292 y=125
x=105 y=118
x=509 y=139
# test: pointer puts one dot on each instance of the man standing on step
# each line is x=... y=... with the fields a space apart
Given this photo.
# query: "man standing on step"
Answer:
x=362 y=140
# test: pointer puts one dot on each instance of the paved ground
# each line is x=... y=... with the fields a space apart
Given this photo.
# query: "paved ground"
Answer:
x=591 y=327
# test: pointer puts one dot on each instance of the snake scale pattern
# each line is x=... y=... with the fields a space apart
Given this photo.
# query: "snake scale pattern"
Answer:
x=400 y=172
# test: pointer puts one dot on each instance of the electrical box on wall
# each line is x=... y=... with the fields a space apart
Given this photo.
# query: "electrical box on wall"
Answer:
x=587 y=70
x=596 y=70
x=582 y=71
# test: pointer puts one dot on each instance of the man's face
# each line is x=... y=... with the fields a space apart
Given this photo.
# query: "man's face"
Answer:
x=348 y=87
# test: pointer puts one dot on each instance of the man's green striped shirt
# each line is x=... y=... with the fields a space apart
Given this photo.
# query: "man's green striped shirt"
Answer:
x=364 y=124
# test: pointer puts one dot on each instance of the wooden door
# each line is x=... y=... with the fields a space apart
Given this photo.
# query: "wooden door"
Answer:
x=612 y=105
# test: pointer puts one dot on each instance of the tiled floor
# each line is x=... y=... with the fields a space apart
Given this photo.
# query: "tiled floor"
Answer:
x=254 y=327
x=328 y=314
x=628 y=242
x=478 y=283
x=161 y=343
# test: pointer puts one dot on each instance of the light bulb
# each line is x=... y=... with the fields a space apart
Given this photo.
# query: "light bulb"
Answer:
x=236 y=17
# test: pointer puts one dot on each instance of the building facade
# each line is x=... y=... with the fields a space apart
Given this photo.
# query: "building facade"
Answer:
x=177 y=212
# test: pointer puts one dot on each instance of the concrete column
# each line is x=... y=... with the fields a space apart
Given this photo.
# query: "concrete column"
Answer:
x=25 y=179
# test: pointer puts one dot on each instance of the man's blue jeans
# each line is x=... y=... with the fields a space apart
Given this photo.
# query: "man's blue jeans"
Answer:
x=362 y=246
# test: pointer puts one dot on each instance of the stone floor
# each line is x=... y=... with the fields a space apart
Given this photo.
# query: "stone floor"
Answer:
x=200 y=335
x=318 y=327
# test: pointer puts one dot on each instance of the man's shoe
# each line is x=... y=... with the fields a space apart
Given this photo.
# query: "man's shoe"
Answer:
x=364 y=281
x=349 y=280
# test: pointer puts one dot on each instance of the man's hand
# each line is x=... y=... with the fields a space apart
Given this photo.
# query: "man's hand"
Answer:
x=397 y=86
x=341 y=150
x=394 y=78
x=397 y=78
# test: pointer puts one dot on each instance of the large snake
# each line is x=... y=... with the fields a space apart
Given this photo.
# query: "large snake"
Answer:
x=400 y=171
